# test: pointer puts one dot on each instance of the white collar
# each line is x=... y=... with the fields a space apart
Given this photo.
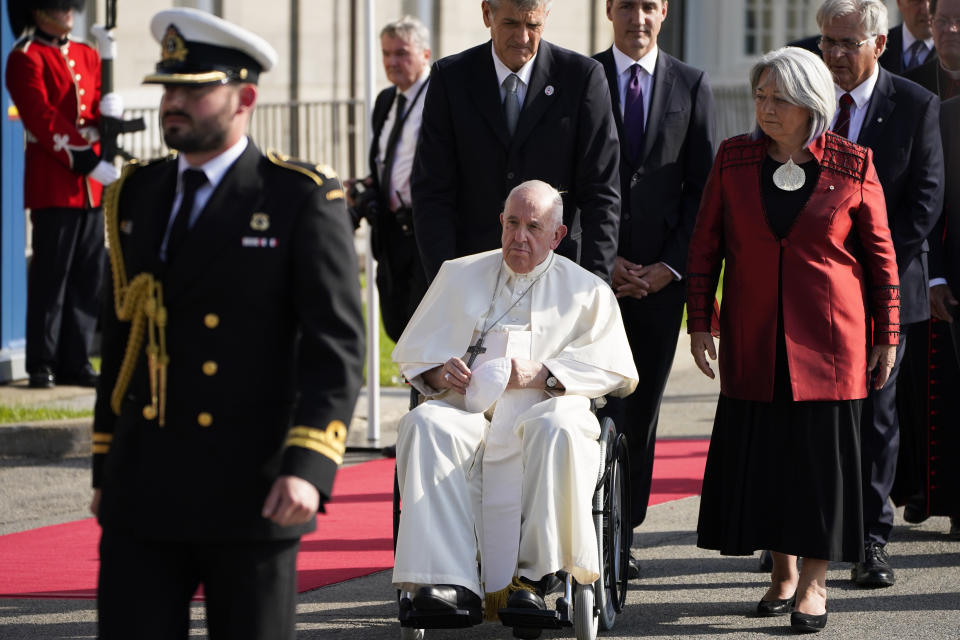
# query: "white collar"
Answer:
x=624 y=62
x=534 y=273
x=909 y=39
x=215 y=168
x=503 y=70
x=862 y=93
x=412 y=90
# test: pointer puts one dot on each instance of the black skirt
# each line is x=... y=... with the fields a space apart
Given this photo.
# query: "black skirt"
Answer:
x=784 y=476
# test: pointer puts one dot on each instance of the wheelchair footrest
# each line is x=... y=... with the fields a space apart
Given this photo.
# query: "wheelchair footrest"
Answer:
x=533 y=618
x=450 y=619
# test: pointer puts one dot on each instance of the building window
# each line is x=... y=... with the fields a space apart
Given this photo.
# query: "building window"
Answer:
x=758 y=27
x=798 y=16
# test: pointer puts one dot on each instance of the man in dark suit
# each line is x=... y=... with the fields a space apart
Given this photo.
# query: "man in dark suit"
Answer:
x=909 y=44
x=514 y=109
x=234 y=314
x=942 y=75
x=927 y=477
x=397 y=114
x=664 y=114
x=898 y=120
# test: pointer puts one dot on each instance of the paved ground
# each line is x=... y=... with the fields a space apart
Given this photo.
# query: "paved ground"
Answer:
x=685 y=592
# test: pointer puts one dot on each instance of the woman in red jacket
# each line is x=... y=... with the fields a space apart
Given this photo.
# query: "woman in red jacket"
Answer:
x=797 y=216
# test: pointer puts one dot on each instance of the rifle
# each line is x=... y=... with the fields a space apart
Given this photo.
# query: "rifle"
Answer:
x=111 y=128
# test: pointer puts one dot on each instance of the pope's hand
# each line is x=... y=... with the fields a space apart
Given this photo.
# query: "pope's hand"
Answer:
x=452 y=374
x=526 y=374
x=291 y=501
x=700 y=342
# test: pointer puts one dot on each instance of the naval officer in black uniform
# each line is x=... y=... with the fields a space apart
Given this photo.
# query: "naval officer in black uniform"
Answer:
x=232 y=355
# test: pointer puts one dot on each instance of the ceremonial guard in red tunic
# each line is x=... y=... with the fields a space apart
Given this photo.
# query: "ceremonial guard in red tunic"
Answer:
x=54 y=81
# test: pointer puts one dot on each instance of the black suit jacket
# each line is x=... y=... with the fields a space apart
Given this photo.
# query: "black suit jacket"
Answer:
x=264 y=333
x=945 y=239
x=660 y=194
x=467 y=162
x=892 y=57
x=901 y=126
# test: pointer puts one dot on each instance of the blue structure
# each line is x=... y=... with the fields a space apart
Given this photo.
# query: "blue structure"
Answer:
x=13 y=234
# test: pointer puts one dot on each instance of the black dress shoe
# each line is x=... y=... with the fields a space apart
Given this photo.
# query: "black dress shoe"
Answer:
x=768 y=608
x=633 y=568
x=875 y=570
x=523 y=599
x=86 y=377
x=445 y=597
x=807 y=623
x=42 y=378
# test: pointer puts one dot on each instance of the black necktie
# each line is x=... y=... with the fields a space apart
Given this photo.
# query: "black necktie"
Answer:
x=192 y=180
x=391 y=150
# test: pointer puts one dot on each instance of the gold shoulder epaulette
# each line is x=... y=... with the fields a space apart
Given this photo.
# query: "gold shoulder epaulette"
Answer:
x=316 y=172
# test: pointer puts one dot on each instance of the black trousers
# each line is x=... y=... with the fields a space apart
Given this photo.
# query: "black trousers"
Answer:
x=145 y=588
x=879 y=446
x=63 y=288
x=401 y=280
x=653 y=327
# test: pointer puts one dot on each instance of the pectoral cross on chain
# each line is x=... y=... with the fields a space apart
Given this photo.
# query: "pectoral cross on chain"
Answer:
x=475 y=350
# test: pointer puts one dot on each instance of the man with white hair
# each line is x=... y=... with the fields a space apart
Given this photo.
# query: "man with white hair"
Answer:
x=508 y=347
x=397 y=115
x=899 y=121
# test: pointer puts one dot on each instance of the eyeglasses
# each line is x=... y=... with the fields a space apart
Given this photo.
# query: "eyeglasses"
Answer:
x=847 y=46
x=942 y=22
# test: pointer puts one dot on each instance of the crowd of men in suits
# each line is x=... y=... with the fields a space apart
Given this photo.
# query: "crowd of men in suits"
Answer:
x=629 y=143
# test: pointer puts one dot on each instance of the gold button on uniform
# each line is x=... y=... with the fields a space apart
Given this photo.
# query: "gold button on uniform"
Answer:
x=210 y=367
x=211 y=320
x=204 y=419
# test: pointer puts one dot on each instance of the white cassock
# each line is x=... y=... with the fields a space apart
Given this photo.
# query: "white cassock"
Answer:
x=513 y=481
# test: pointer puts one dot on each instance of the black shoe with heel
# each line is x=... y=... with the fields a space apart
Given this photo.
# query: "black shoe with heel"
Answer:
x=769 y=608
x=808 y=623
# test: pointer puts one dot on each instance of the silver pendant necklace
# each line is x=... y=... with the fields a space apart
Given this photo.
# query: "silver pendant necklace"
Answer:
x=788 y=176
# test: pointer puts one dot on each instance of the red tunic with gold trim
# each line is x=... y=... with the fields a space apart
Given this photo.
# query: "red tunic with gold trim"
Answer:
x=56 y=89
x=837 y=268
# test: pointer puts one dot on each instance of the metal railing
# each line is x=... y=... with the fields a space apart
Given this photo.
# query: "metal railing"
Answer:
x=330 y=132
x=333 y=132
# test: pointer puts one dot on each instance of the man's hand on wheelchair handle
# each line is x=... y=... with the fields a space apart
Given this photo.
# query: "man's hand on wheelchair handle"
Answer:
x=452 y=374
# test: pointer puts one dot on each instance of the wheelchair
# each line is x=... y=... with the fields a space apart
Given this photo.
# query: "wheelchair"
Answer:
x=588 y=608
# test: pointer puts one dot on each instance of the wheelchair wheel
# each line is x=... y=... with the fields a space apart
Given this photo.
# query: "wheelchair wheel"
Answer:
x=585 y=614
x=612 y=520
x=409 y=633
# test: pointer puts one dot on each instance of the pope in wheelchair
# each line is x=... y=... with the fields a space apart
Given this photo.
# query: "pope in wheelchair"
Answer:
x=498 y=467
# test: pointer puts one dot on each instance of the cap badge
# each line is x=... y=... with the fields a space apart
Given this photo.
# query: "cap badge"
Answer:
x=173 y=46
x=260 y=222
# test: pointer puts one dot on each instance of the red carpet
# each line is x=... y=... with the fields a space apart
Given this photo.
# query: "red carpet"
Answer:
x=353 y=539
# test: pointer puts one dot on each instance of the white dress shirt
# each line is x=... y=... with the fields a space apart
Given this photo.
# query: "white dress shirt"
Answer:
x=648 y=63
x=861 y=95
x=214 y=169
x=406 y=145
x=503 y=71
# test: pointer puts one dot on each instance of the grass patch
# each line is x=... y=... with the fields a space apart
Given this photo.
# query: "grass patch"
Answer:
x=23 y=413
x=389 y=372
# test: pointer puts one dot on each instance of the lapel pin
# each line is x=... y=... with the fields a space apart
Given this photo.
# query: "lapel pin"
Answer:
x=549 y=90
x=880 y=119
x=831 y=187
x=260 y=222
